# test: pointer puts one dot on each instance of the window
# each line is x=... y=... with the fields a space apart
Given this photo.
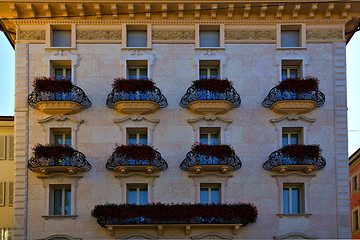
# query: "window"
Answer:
x=2 y=194
x=11 y=147
x=291 y=136
x=61 y=136
x=2 y=147
x=354 y=183
x=291 y=36
x=292 y=199
x=290 y=69
x=209 y=69
x=137 y=69
x=6 y=234
x=209 y=38
x=137 y=136
x=355 y=221
x=209 y=135
x=137 y=194
x=61 y=69
x=60 y=36
x=11 y=193
x=209 y=193
x=136 y=36
x=60 y=200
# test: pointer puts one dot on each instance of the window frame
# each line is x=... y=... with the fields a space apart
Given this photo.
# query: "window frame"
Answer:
x=355 y=183
x=301 y=28
x=2 y=194
x=138 y=65
x=209 y=131
x=11 y=194
x=138 y=132
x=209 y=187
x=355 y=219
x=210 y=27
x=292 y=130
x=132 y=27
x=300 y=198
x=63 y=199
x=63 y=132
x=138 y=188
x=50 y=28
x=3 y=147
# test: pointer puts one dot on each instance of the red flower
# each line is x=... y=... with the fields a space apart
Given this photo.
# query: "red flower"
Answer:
x=301 y=151
x=133 y=85
x=136 y=152
x=218 y=151
x=213 y=84
x=300 y=85
x=53 y=151
x=52 y=85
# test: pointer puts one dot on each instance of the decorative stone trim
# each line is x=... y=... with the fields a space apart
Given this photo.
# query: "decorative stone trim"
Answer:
x=138 y=236
x=324 y=34
x=211 y=236
x=210 y=107
x=31 y=35
x=173 y=35
x=249 y=35
x=307 y=215
x=59 y=107
x=98 y=35
x=54 y=237
x=136 y=107
x=147 y=169
x=293 y=106
x=294 y=236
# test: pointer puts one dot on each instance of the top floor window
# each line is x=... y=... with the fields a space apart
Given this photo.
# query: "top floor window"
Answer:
x=61 y=38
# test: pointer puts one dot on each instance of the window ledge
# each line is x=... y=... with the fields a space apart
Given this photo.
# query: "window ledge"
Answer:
x=354 y=192
x=209 y=48
x=136 y=48
x=281 y=215
x=59 y=216
x=291 y=48
x=60 y=48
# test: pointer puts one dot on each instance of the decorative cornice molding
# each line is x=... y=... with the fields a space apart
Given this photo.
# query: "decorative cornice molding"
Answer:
x=173 y=35
x=211 y=236
x=61 y=118
x=31 y=35
x=294 y=235
x=136 y=118
x=139 y=236
x=293 y=118
x=324 y=34
x=98 y=35
x=250 y=35
x=209 y=118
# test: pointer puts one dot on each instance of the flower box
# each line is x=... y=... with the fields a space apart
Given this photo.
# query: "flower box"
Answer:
x=135 y=96
x=210 y=96
x=305 y=158
x=54 y=158
x=295 y=96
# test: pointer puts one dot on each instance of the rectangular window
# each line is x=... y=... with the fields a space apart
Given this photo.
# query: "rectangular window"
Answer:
x=137 y=194
x=11 y=147
x=61 y=69
x=209 y=193
x=137 y=136
x=291 y=136
x=2 y=147
x=354 y=183
x=209 y=36
x=210 y=135
x=292 y=199
x=290 y=69
x=8 y=235
x=137 y=69
x=61 y=200
x=61 y=38
x=136 y=36
x=11 y=193
x=2 y=194
x=355 y=220
x=61 y=136
x=291 y=36
x=209 y=69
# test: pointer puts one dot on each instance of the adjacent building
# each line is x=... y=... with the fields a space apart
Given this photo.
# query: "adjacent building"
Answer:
x=254 y=141
x=354 y=169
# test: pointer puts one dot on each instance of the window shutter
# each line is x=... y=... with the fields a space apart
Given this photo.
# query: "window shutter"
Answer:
x=11 y=147
x=289 y=38
x=2 y=193
x=3 y=147
x=209 y=38
x=136 y=38
x=61 y=38
x=11 y=193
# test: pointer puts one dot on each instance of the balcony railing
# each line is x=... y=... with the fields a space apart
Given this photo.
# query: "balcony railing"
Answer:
x=278 y=159
x=154 y=96
x=276 y=95
x=42 y=164
x=76 y=95
x=117 y=160
x=194 y=94
x=194 y=159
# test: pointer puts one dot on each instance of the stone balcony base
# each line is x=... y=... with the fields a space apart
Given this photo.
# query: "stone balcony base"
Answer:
x=293 y=106
x=136 y=107
x=59 y=169
x=210 y=107
x=295 y=168
x=122 y=170
x=59 y=107
x=211 y=168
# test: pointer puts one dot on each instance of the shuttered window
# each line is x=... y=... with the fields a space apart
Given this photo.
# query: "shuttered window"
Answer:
x=2 y=194
x=2 y=147
x=11 y=147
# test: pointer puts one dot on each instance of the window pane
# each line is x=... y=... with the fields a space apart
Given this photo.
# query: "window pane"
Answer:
x=61 y=38
x=59 y=73
x=58 y=138
x=294 y=73
x=68 y=73
x=136 y=38
x=214 y=139
x=204 y=139
x=143 y=139
x=295 y=200
x=143 y=196
x=57 y=201
x=68 y=139
x=132 y=199
x=284 y=140
x=214 y=73
x=289 y=38
x=132 y=73
x=294 y=139
x=215 y=195
x=286 y=199
x=283 y=74
x=143 y=73
x=67 y=202
x=2 y=147
x=202 y=73
x=209 y=38
x=132 y=138
x=204 y=195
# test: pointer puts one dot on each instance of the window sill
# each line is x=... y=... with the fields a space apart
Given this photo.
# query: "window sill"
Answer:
x=291 y=48
x=136 y=48
x=354 y=192
x=60 y=48
x=59 y=216
x=209 y=48
x=281 y=215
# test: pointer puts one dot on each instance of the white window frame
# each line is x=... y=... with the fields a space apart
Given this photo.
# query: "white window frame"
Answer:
x=209 y=131
x=289 y=131
x=210 y=179
x=53 y=27
x=137 y=187
x=219 y=27
x=209 y=188
x=301 y=199
x=136 y=131
x=2 y=193
x=131 y=64
x=126 y=27
x=302 y=35
x=63 y=196
x=288 y=70
x=63 y=132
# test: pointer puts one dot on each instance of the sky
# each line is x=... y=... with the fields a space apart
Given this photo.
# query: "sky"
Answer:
x=7 y=70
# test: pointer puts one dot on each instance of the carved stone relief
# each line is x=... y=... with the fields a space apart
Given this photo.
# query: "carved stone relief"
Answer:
x=322 y=34
x=249 y=35
x=173 y=35
x=32 y=35
x=98 y=35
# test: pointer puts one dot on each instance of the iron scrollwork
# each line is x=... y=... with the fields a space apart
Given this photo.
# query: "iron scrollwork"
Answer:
x=276 y=95
x=76 y=95
x=78 y=160
x=154 y=96
x=120 y=160
x=194 y=159
x=278 y=159
x=194 y=94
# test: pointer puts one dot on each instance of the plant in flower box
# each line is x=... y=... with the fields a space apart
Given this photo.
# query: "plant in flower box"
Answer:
x=60 y=153
x=52 y=85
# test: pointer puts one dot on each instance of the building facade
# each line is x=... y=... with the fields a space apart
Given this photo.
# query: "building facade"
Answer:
x=255 y=45
x=6 y=176
x=354 y=193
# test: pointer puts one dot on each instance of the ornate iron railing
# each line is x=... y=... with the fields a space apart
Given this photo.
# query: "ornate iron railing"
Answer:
x=277 y=158
x=120 y=160
x=155 y=96
x=194 y=94
x=78 y=160
x=276 y=95
x=76 y=95
x=194 y=159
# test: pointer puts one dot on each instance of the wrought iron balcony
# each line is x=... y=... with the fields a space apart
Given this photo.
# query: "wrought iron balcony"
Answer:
x=195 y=94
x=123 y=164
x=276 y=95
x=280 y=163
x=44 y=101
x=74 y=164
x=197 y=162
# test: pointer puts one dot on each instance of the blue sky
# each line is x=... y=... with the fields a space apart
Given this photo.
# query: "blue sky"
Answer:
x=7 y=70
